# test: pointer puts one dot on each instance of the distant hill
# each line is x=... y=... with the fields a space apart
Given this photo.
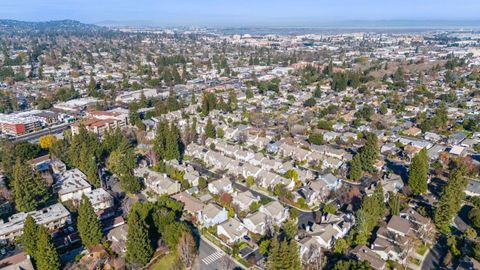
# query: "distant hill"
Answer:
x=50 y=27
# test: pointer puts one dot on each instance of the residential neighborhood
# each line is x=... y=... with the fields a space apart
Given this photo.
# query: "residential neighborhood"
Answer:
x=195 y=148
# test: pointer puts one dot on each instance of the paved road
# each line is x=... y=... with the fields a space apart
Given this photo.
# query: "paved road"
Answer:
x=40 y=133
x=433 y=260
x=212 y=258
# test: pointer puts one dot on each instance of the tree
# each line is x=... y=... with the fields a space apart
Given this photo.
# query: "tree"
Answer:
x=220 y=133
x=474 y=216
x=264 y=247
x=450 y=200
x=130 y=183
x=341 y=245
x=186 y=249
x=309 y=102
x=29 y=237
x=47 y=141
x=329 y=208
x=315 y=138
x=28 y=189
x=355 y=169
x=368 y=216
x=417 y=178
x=394 y=203
x=139 y=248
x=46 y=254
x=88 y=224
x=290 y=228
x=210 y=131
x=291 y=174
x=369 y=152
x=250 y=181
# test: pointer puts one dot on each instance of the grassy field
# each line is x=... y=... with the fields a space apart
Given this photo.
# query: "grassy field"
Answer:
x=165 y=263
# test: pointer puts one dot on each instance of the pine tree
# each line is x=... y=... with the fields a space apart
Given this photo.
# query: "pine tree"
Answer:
x=172 y=142
x=417 y=178
x=273 y=254
x=88 y=224
x=160 y=141
x=139 y=249
x=88 y=166
x=28 y=188
x=369 y=152
x=450 y=200
x=29 y=236
x=46 y=254
x=210 y=131
x=295 y=261
x=355 y=172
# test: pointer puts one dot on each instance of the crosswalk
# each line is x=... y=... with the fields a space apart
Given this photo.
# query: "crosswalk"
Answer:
x=212 y=257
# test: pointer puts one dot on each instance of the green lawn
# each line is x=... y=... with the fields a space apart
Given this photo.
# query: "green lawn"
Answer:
x=165 y=263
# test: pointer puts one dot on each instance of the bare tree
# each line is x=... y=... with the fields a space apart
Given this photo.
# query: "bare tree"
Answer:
x=186 y=250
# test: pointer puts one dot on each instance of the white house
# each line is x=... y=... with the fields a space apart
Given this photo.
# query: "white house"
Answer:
x=232 y=230
x=223 y=185
x=212 y=215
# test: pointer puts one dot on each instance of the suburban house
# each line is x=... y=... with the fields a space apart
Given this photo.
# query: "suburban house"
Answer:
x=364 y=253
x=212 y=215
x=275 y=211
x=191 y=204
x=331 y=181
x=243 y=200
x=393 y=240
x=231 y=231
x=223 y=185
x=256 y=222
x=161 y=183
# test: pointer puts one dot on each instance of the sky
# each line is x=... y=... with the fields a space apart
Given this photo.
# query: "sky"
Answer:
x=238 y=13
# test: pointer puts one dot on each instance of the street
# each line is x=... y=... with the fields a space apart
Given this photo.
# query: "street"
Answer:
x=211 y=257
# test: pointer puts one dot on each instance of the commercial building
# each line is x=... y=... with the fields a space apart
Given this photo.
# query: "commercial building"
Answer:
x=15 y=125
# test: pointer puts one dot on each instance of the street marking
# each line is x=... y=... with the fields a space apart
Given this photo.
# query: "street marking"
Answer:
x=212 y=257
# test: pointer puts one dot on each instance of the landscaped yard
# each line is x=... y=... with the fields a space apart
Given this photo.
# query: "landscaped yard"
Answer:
x=165 y=263
x=421 y=249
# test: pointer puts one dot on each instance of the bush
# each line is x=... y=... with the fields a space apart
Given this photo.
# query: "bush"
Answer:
x=316 y=138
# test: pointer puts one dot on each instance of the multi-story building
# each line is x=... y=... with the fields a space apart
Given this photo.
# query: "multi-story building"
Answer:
x=71 y=185
x=99 y=122
x=15 y=125
x=53 y=217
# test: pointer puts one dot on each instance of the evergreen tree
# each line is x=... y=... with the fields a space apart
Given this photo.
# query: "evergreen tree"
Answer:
x=273 y=254
x=417 y=178
x=210 y=131
x=46 y=254
x=160 y=141
x=355 y=172
x=28 y=189
x=450 y=200
x=368 y=216
x=139 y=249
x=172 y=143
x=369 y=152
x=88 y=166
x=88 y=224
x=232 y=100
x=92 y=87
x=29 y=237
